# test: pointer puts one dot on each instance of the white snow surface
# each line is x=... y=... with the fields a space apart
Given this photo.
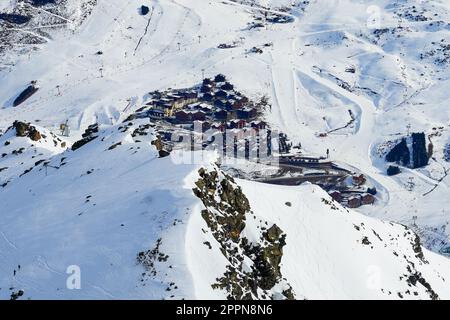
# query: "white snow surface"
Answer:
x=48 y=223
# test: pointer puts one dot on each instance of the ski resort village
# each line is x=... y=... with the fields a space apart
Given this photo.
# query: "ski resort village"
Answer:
x=224 y=149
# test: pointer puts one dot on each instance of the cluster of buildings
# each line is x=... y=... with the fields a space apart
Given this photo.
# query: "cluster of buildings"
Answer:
x=215 y=116
x=214 y=101
x=357 y=196
x=213 y=106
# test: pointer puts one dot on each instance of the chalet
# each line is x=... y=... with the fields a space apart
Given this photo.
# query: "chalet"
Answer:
x=246 y=113
x=258 y=125
x=207 y=81
x=220 y=78
x=193 y=106
x=221 y=94
x=188 y=94
x=155 y=113
x=236 y=124
x=182 y=116
x=173 y=102
x=358 y=179
x=354 y=201
x=208 y=96
x=220 y=103
x=229 y=105
x=237 y=104
x=295 y=159
x=180 y=102
x=161 y=102
x=206 y=88
x=221 y=114
x=203 y=107
x=367 y=198
x=232 y=96
x=172 y=96
x=335 y=195
x=197 y=115
x=243 y=100
x=156 y=95
x=227 y=86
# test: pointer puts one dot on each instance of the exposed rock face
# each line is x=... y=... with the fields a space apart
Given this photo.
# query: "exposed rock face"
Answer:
x=160 y=147
x=226 y=211
x=26 y=130
x=14 y=18
x=420 y=153
x=149 y=257
x=24 y=95
x=413 y=276
x=401 y=153
x=89 y=134
x=21 y=128
x=17 y=295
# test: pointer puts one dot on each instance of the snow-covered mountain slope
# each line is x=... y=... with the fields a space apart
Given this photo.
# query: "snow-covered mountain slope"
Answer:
x=34 y=143
x=141 y=226
x=341 y=75
x=96 y=207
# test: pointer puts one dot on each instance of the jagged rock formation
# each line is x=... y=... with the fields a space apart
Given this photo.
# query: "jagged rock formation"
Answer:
x=160 y=147
x=26 y=130
x=25 y=94
x=399 y=154
x=89 y=134
x=253 y=271
x=417 y=157
x=14 y=18
x=420 y=153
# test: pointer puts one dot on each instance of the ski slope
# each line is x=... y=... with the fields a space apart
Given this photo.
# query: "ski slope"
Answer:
x=101 y=68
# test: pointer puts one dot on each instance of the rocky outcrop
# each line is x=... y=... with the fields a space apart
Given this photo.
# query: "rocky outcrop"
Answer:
x=26 y=130
x=14 y=18
x=25 y=94
x=16 y=295
x=89 y=134
x=420 y=152
x=417 y=157
x=399 y=154
x=160 y=147
x=253 y=271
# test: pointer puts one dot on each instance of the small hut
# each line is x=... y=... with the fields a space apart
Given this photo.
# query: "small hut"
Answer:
x=354 y=201
x=336 y=195
x=367 y=198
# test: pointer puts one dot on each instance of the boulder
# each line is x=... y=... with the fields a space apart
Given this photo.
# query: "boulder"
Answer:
x=26 y=130
x=144 y=10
